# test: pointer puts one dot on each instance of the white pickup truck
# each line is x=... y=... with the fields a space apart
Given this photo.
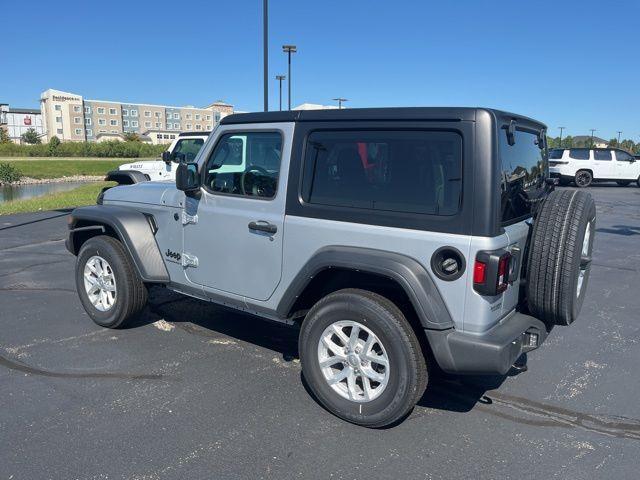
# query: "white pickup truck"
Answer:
x=183 y=149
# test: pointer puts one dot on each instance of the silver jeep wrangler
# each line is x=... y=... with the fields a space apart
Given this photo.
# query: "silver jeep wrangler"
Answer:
x=400 y=239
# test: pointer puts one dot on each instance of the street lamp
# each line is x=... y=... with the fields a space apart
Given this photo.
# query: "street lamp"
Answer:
x=265 y=47
x=289 y=49
x=592 y=130
x=280 y=78
x=340 y=100
x=561 y=129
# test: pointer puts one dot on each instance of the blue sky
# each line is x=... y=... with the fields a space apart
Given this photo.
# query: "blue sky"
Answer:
x=570 y=63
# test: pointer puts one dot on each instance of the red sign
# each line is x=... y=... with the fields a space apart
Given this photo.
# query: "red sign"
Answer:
x=27 y=120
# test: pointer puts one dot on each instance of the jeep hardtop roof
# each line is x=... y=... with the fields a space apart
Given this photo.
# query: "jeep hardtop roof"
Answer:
x=390 y=113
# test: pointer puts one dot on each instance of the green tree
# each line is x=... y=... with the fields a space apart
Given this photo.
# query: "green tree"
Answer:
x=628 y=145
x=4 y=136
x=567 y=142
x=131 y=137
x=31 y=137
x=613 y=143
x=54 y=143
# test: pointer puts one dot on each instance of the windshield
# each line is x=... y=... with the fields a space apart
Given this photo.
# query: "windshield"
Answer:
x=187 y=147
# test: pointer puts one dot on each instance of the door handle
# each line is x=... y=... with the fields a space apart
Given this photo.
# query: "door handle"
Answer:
x=263 y=226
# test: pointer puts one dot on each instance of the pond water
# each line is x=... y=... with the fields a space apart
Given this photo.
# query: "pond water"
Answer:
x=22 y=192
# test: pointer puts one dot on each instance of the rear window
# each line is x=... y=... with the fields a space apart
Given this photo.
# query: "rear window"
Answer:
x=524 y=169
x=555 y=154
x=400 y=171
x=579 y=153
x=602 y=155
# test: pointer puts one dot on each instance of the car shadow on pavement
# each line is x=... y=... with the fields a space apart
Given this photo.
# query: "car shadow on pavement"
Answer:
x=625 y=230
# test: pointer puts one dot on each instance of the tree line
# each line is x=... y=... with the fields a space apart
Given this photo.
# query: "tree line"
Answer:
x=570 y=142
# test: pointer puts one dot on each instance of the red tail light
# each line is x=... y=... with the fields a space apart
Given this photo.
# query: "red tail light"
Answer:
x=491 y=272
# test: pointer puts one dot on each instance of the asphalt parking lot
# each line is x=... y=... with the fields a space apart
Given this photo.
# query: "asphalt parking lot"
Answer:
x=196 y=391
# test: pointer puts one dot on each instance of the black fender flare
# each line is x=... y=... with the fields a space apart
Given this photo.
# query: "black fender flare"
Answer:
x=412 y=276
x=134 y=229
x=126 y=177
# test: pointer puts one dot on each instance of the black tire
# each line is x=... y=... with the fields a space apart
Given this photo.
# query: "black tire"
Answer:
x=623 y=183
x=638 y=182
x=555 y=257
x=407 y=370
x=583 y=178
x=131 y=293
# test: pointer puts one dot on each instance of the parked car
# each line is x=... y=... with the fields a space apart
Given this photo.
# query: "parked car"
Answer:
x=584 y=166
x=184 y=148
x=397 y=239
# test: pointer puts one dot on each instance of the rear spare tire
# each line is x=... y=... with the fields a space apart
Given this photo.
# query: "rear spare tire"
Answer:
x=559 y=259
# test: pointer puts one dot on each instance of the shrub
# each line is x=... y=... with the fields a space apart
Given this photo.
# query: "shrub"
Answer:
x=55 y=148
x=9 y=173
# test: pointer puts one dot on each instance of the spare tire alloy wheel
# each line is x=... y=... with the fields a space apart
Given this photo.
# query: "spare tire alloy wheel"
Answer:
x=585 y=258
x=583 y=178
x=353 y=361
x=100 y=283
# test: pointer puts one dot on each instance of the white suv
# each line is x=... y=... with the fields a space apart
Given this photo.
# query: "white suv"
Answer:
x=585 y=165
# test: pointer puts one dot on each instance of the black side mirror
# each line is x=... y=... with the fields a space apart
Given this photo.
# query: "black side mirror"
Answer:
x=187 y=178
x=166 y=156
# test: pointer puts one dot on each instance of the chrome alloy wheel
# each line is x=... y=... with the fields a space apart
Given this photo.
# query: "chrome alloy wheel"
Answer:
x=353 y=361
x=585 y=258
x=100 y=283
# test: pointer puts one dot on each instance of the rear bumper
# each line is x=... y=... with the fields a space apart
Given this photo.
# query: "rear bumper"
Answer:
x=492 y=352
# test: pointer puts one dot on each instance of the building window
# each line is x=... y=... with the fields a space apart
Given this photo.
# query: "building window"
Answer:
x=172 y=137
x=59 y=131
x=197 y=116
x=169 y=126
x=113 y=123
x=87 y=109
x=59 y=119
x=147 y=124
x=147 y=113
x=188 y=116
x=176 y=126
x=134 y=123
x=208 y=117
x=76 y=108
x=77 y=120
x=125 y=123
x=208 y=126
x=158 y=125
x=112 y=111
x=188 y=126
x=102 y=121
x=58 y=107
x=157 y=114
x=176 y=116
x=78 y=131
x=217 y=117
x=125 y=112
x=89 y=132
x=87 y=121
x=134 y=113
x=100 y=110
x=102 y=131
x=114 y=131
x=198 y=126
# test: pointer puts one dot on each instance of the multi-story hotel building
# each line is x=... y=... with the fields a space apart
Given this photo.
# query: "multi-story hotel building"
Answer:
x=72 y=118
x=17 y=121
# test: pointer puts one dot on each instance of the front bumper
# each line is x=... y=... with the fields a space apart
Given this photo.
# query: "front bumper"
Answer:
x=492 y=352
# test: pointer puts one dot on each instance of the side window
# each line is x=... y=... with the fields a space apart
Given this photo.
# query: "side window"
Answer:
x=602 y=155
x=246 y=164
x=555 y=154
x=398 y=171
x=579 y=153
x=623 y=156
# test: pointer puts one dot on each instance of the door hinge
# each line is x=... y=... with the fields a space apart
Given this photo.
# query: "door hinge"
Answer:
x=189 y=260
x=187 y=219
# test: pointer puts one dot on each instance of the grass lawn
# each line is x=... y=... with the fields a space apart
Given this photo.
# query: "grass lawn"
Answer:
x=84 y=195
x=57 y=168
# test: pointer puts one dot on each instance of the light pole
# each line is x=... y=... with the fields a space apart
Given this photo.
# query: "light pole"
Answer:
x=619 y=133
x=289 y=49
x=561 y=129
x=340 y=100
x=280 y=78
x=265 y=47
x=592 y=130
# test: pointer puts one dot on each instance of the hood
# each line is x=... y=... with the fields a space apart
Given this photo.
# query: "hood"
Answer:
x=152 y=193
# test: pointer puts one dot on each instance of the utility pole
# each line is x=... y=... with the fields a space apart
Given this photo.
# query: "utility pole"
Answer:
x=619 y=133
x=340 y=100
x=561 y=129
x=265 y=46
x=280 y=78
x=592 y=130
x=289 y=49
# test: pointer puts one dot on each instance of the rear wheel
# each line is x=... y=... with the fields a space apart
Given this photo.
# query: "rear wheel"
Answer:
x=623 y=183
x=559 y=261
x=108 y=284
x=583 y=178
x=361 y=358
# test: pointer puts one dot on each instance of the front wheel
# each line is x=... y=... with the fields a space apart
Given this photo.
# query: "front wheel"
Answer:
x=361 y=358
x=107 y=282
x=583 y=178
